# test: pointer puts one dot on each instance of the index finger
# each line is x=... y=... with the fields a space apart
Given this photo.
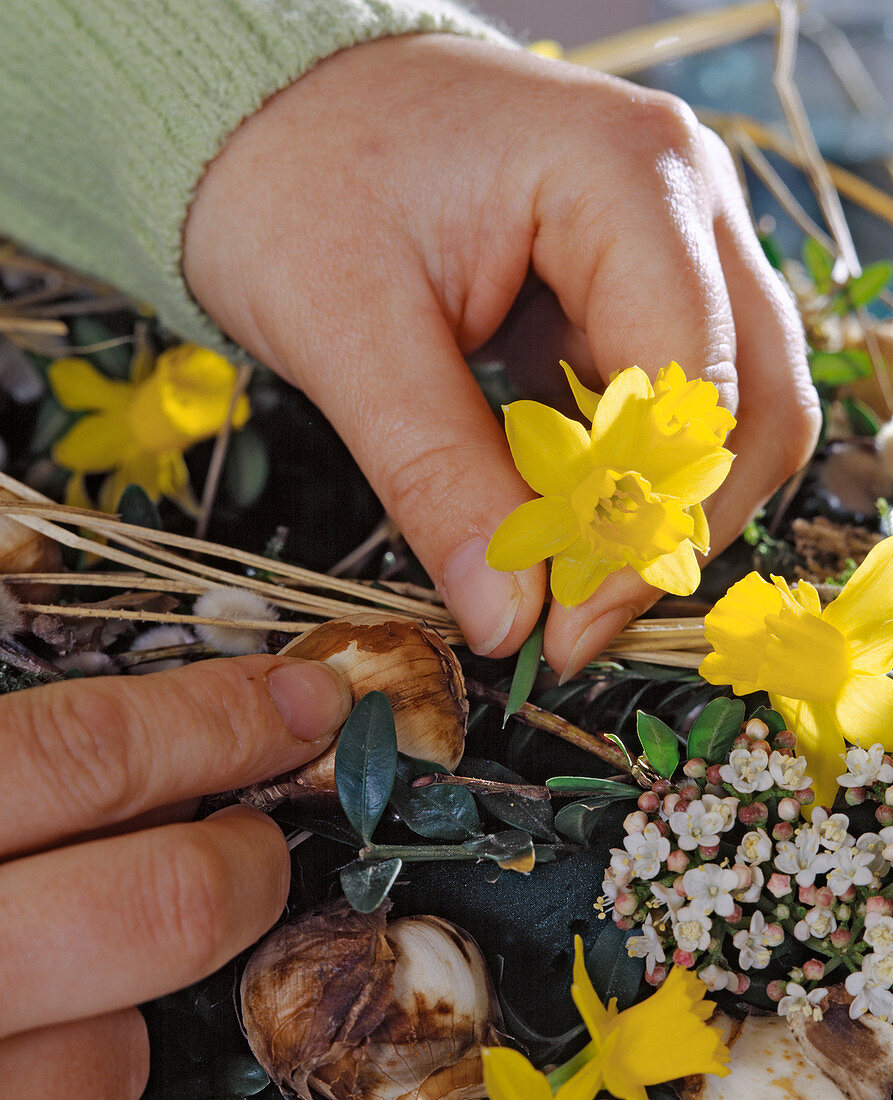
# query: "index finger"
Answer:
x=91 y=753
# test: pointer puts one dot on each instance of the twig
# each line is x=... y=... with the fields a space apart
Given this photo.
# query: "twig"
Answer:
x=384 y=532
x=33 y=325
x=485 y=786
x=218 y=454
x=163 y=653
x=540 y=719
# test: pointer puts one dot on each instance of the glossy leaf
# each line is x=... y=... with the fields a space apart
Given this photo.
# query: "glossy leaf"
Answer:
x=612 y=971
x=438 y=811
x=527 y=666
x=533 y=815
x=658 y=742
x=501 y=847
x=863 y=419
x=714 y=730
x=772 y=718
x=366 y=762
x=578 y=820
x=138 y=508
x=366 y=885
x=582 y=783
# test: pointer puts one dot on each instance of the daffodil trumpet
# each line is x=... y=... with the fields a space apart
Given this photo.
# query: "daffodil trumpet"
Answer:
x=825 y=669
x=628 y=492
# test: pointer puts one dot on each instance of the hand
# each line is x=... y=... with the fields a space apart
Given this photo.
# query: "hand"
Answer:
x=108 y=896
x=374 y=222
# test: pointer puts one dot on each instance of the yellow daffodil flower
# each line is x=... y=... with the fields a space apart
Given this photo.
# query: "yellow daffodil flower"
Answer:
x=139 y=429
x=661 y=1038
x=824 y=670
x=628 y=492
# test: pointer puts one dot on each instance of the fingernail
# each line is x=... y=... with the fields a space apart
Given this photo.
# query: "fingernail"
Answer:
x=594 y=639
x=311 y=697
x=482 y=599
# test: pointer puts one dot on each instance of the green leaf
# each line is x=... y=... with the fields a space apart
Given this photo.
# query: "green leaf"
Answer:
x=366 y=762
x=819 y=263
x=533 y=815
x=578 y=820
x=714 y=730
x=772 y=718
x=560 y=783
x=247 y=467
x=772 y=251
x=510 y=844
x=138 y=508
x=839 y=368
x=526 y=668
x=659 y=743
x=863 y=419
x=612 y=972
x=867 y=286
x=366 y=885
x=439 y=811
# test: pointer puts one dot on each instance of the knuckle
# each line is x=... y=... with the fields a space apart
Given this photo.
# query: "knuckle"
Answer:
x=664 y=122
x=185 y=903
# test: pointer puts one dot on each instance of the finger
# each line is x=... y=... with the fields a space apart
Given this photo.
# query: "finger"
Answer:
x=94 y=752
x=96 y=927
x=102 y=1058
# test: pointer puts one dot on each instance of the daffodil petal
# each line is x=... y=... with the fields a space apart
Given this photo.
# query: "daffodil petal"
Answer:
x=681 y=400
x=509 y=1076
x=678 y=572
x=820 y=740
x=97 y=442
x=587 y=400
x=596 y=1017
x=863 y=612
x=690 y=479
x=577 y=573
x=79 y=385
x=865 y=710
x=736 y=629
x=700 y=537
x=550 y=451
x=173 y=481
x=531 y=533
x=623 y=427
x=586 y=1082
x=76 y=495
x=195 y=387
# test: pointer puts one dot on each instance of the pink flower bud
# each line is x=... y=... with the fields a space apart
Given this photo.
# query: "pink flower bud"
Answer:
x=690 y=791
x=855 y=796
x=756 y=730
x=877 y=904
x=785 y=740
x=662 y=827
x=779 y=885
x=773 y=935
x=844 y=912
x=841 y=938
x=888 y=796
x=683 y=958
x=884 y=814
x=824 y=897
x=745 y=875
x=807 y=895
x=670 y=802
x=805 y=797
x=813 y=970
x=713 y=775
x=742 y=741
x=708 y=851
x=648 y=802
x=661 y=787
x=736 y=914
x=635 y=822
x=743 y=984
x=848 y=894
x=657 y=976
x=624 y=923
x=696 y=768
x=755 y=746
x=783 y=830
x=789 y=809
x=626 y=903
x=776 y=990
x=678 y=861
x=754 y=814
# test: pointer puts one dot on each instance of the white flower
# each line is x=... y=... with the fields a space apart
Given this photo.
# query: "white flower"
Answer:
x=621 y=867
x=752 y=949
x=668 y=898
x=755 y=847
x=232 y=605
x=612 y=884
x=747 y=771
x=818 y=922
x=865 y=767
x=710 y=888
x=715 y=978
x=649 y=850
x=874 y=843
x=797 y=1000
x=691 y=929
x=696 y=825
x=648 y=946
x=727 y=808
x=870 y=988
x=832 y=830
x=801 y=857
x=751 y=895
x=789 y=772
x=879 y=933
x=850 y=868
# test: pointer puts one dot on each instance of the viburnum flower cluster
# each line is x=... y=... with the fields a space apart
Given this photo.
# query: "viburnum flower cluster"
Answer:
x=724 y=875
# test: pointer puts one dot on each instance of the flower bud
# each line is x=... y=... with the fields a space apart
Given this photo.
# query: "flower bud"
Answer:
x=773 y=935
x=713 y=776
x=824 y=897
x=785 y=740
x=624 y=923
x=813 y=970
x=754 y=814
x=661 y=787
x=696 y=768
x=756 y=746
x=779 y=885
x=690 y=791
x=884 y=814
x=678 y=887
x=736 y=914
x=678 y=861
x=626 y=903
x=708 y=851
x=742 y=985
x=783 y=912
x=775 y=990
x=745 y=875
x=635 y=822
x=807 y=894
x=878 y=904
x=683 y=958
x=789 y=809
x=843 y=912
x=805 y=797
x=649 y=802
x=662 y=827
x=742 y=741
x=855 y=796
x=657 y=976
x=841 y=938
x=756 y=730
x=783 y=830
x=670 y=802
x=888 y=796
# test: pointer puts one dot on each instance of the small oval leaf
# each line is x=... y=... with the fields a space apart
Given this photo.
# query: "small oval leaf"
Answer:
x=658 y=742
x=590 y=783
x=714 y=730
x=533 y=815
x=366 y=762
x=439 y=811
x=138 y=508
x=578 y=821
x=612 y=971
x=366 y=885
x=526 y=668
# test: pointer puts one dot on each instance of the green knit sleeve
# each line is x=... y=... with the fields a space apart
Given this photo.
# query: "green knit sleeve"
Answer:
x=110 y=110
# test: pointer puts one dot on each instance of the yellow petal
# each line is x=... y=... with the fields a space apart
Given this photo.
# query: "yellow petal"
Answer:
x=586 y=1082
x=820 y=740
x=863 y=612
x=509 y=1076
x=587 y=400
x=76 y=495
x=700 y=537
x=865 y=710
x=531 y=533
x=195 y=387
x=623 y=426
x=596 y=1017
x=173 y=482
x=684 y=468
x=97 y=442
x=550 y=451
x=682 y=401
x=678 y=572
x=577 y=573
x=736 y=629
x=806 y=658
x=79 y=385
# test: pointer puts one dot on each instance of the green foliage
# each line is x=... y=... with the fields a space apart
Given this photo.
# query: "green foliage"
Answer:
x=247 y=467
x=714 y=730
x=438 y=811
x=508 y=845
x=863 y=290
x=864 y=421
x=366 y=884
x=612 y=971
x=578 y=820
x=819 y=262
x=839 y=368
x=533 y=815
x=526 y=668
x=772 y=718
x=587 y=783
x=138 y=508
x=366 y=762
x=658 y=742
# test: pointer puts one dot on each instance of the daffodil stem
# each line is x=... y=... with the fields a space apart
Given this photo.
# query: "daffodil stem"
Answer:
x=564 y=1072
x=596 y=743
